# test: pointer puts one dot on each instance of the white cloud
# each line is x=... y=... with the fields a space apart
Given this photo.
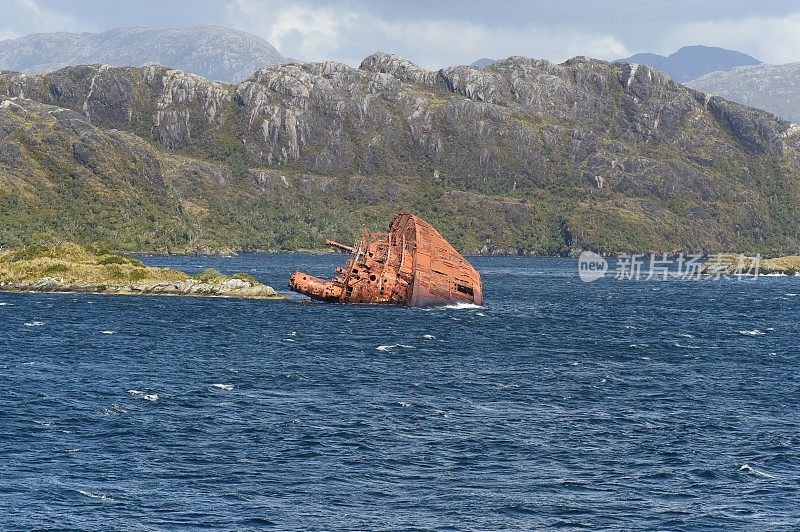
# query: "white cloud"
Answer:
x=771 y=39
x=20 y=17
x=315 y=33
x=437 y=43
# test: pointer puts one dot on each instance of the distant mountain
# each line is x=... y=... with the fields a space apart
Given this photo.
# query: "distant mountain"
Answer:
x=775 y=88
x=483 y=61
x=691 y=62
x=213 y=52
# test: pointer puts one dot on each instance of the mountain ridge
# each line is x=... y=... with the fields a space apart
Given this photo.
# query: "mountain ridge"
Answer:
x=690 y=62
x=520 y=156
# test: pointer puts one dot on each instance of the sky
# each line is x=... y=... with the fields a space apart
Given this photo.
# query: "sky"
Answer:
x=436 y=34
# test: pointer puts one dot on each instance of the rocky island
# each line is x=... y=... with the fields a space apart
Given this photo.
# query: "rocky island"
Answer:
x=73 y=268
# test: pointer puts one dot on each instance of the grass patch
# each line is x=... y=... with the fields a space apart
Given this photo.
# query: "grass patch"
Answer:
x=55 y=269
x=79 y=265
x=119 y=259
x=246 y=277
x=212 y=275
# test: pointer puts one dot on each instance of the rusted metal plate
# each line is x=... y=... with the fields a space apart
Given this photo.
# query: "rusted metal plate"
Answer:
x=411 y=265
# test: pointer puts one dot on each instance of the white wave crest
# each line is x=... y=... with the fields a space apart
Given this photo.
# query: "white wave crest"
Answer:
x=429 y=337
x=152 y=397
x=223 y=386
x=754 y=332
x=34 y=323
x=388 y=347
x=108 y=332
x=454 y=306
x=92 y=495
x=747 y=468
x=462 y=306
x=4 y=304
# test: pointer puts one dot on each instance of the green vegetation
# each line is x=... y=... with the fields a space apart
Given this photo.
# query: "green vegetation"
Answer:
x=74 y=264
x=210 y=275
x=80 y=265
x=245 y=277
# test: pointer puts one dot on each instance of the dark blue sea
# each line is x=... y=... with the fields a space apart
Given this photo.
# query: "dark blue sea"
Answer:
x=615 y=405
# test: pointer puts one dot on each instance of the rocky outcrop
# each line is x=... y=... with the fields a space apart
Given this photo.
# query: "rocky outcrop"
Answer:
x=160 y=101
x=190 y=287
x=398 y=68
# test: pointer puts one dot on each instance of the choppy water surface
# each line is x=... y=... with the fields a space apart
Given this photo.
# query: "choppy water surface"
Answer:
x=616 y=404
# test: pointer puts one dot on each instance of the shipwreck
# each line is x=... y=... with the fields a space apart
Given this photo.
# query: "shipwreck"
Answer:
x=410 y=265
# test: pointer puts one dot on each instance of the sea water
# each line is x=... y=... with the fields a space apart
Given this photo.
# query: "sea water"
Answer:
x=614 y=404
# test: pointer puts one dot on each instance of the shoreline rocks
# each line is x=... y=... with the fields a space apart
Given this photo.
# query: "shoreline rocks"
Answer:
x=231 y=288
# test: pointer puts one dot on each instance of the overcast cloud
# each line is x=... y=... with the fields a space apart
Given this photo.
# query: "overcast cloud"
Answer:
x=435 y=34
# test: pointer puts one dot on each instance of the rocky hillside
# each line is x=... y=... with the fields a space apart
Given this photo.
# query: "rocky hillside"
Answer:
x=691 y=62
x=775 y=88
x=213 y=52
x=521 y=155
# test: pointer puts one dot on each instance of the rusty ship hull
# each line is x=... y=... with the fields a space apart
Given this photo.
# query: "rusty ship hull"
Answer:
x=411 y=264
